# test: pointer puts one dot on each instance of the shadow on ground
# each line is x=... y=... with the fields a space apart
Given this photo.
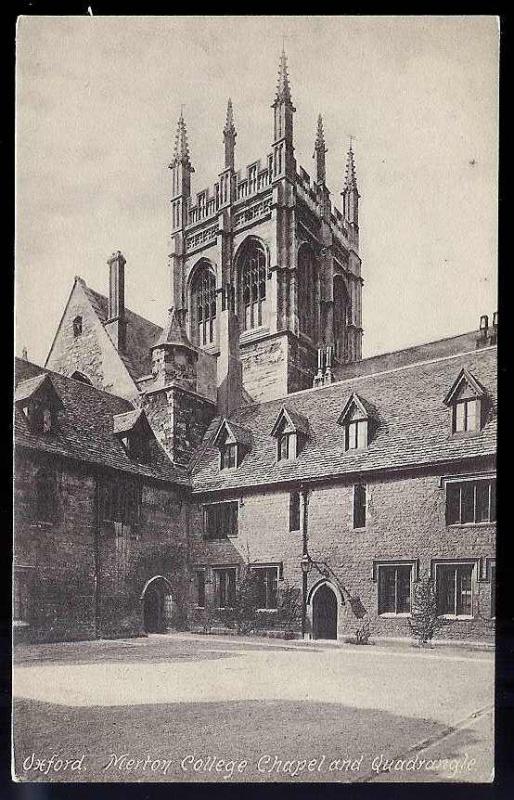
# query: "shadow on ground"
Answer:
x=162 y=736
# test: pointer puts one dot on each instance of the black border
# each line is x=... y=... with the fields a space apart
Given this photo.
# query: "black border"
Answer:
x=504 y=780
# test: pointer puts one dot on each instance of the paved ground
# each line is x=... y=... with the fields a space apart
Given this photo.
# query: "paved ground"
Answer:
x=192 y=708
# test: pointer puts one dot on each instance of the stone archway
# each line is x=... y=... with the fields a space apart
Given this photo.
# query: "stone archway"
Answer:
x=156 y=600
x=324 y=612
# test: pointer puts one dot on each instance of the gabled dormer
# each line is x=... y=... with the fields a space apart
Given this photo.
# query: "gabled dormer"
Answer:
x=467 y=403
x=357 y=418
x=291 y=430
x=39 y=402
x=233 y=442
x=134 y=432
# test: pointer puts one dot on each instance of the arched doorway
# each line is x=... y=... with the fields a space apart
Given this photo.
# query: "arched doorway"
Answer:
x=324 y=613
x=157 y=605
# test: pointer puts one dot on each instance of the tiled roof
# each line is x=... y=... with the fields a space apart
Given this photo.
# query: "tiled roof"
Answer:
x=27 y=388
x=84 y=429
x=141 y=335
x=412 y=426
x=122 y=423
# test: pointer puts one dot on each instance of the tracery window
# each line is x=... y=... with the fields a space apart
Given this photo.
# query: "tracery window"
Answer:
x=308 y=293
x=203 y=306
x=253 y=286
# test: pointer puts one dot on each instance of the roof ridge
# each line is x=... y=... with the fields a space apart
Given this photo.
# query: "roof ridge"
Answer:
x=353 y=378
x=89 y=386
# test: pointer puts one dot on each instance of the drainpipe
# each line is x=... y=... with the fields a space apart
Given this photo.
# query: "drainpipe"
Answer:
x=305 y=559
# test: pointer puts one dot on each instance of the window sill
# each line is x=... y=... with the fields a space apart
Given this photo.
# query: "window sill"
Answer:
x=469 y=524
x=392 y=615
x=363 y=528
x=465 y=617
x=42 y=524
x=19 y=623
x=267 y=610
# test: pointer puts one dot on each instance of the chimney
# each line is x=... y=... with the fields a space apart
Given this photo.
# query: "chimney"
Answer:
x=229 y=367
x=116 y=325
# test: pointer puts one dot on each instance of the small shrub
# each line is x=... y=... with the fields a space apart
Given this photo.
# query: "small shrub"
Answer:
x=424 y=621
x=361 y=636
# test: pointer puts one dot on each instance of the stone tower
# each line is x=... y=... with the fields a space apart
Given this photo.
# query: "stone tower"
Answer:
x=264 y=270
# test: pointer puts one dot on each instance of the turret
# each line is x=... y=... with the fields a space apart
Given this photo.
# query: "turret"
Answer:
x=173 y=356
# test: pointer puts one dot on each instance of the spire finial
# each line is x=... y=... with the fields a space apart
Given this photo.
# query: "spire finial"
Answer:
x=319 y=152
x=283 y=87
x=350 y=178
x=230 y=128
x=320 y=136
x=181 y=152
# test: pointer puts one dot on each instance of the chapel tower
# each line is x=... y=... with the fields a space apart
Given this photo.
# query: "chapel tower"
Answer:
x=264 y=270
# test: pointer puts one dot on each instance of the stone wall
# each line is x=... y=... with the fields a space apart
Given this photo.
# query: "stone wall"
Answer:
x=405 y=521
x=62 y=558
x=92 y=352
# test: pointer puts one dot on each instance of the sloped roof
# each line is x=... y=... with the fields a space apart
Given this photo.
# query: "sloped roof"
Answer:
x=29 y=387
x=414 y=427
x=123 y=423
x=141 y=335
x=84 y=429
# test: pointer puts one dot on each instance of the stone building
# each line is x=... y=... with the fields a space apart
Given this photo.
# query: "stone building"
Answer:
x=256 y=438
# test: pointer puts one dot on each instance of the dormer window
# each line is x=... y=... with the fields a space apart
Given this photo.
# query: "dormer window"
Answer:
x=77 y=327
x=134 y=432
x=228 y=456
x=233 y=442
x=286 y=446
x=466 y=401
x=291 y=431
x=39 y=403
x=356 y=418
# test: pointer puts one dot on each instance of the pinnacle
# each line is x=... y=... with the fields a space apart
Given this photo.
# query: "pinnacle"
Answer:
x=181 y=153
x=283 y=87
x=320 y=136
x=350 y=178
x=229 y=128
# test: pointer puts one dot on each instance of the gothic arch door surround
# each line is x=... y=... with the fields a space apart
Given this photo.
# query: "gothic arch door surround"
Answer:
x=156 y=600
x=324 y=612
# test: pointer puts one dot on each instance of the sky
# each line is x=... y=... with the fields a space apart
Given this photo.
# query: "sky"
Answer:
x=98 y=100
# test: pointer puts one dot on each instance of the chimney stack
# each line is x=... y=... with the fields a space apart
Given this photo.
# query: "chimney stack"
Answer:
x=116 y=324
x=487 y=335
x=229 y=367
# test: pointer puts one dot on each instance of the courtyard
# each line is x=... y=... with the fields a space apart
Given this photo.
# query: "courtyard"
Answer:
x=184 y=707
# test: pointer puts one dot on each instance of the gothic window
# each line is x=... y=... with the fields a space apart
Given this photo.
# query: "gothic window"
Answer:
x=120 y=501
x=359 y=506
x=252 y=286
x=340 y=318
x=220 y=520
x=294 y=511
x=46 y=495
x=203 y=306
x=308 y=293
x=77 y=327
